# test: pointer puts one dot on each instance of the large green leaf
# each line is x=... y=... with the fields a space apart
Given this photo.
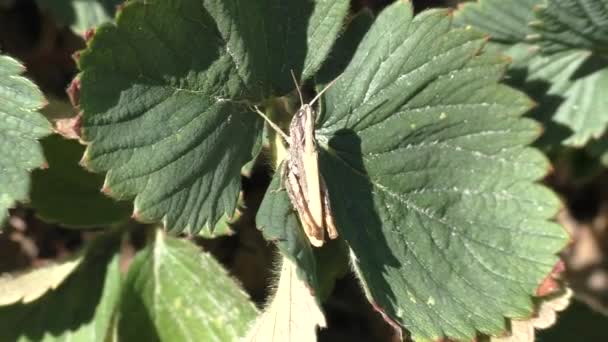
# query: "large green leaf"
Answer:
x=166 y=95
x=573 y=24
x=80 y=309
x=345 y=47
x=432 y=185
x=68 y=194
x=173 y=292
x=569 y=87
x=81 y=15
x=323 y=28
x=20 y=128
x=568 y=81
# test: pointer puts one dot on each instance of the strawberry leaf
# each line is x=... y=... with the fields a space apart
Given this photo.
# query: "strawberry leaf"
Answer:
x=166 y=95
x=68 y=194
x=173 y=292
x=573 y=24
x=431 y=181
x=558 y=59
x=20 y=128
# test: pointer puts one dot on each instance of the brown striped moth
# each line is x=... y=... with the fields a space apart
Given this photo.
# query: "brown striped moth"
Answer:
x=300 y=174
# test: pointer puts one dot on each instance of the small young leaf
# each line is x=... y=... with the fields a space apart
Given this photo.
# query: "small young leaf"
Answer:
x=67 y=193
x=345 y=47
x=544 y=317
x=173 y=292
x=576 y=31
x=20 y=128
x=323 y=28
x=80 y=309
x=431 y=183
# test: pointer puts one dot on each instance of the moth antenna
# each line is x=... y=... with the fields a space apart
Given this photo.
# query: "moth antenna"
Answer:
x=273 y=125
x=297 y=86
x=322 y=91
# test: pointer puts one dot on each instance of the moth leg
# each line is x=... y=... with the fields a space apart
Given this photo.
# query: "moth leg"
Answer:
x=328 y=217
x=314 y=233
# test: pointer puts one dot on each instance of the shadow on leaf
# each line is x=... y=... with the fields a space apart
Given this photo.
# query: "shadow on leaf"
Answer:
x=75 y=305
x=356 y=216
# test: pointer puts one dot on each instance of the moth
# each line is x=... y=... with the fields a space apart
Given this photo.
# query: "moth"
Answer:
x=300 y=174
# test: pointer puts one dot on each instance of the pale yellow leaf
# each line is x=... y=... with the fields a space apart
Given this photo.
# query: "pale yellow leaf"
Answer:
x=293 y=314
x=31 y=285
x=546 y=316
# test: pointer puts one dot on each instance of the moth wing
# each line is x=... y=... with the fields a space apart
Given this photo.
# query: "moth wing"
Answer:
x=328 y=217
x=310 y=161
x=314 y=232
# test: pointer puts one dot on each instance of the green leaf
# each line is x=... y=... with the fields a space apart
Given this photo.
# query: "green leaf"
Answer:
x=566 y=84
x=81 y=15
x=80 y=309
x=573 y=24
x=173 y=292
x=431 y=181
x=505 y=21
x=345 y=47
x=166 y=95
x=323 y=28
x=67 y=193
x=20 y=128
x=317 y=267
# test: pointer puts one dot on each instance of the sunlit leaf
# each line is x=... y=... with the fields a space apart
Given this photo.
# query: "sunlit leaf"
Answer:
x=293 y=313
x=174 y=292
x=81 y=308
x=20 y=128
x=431 y=181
